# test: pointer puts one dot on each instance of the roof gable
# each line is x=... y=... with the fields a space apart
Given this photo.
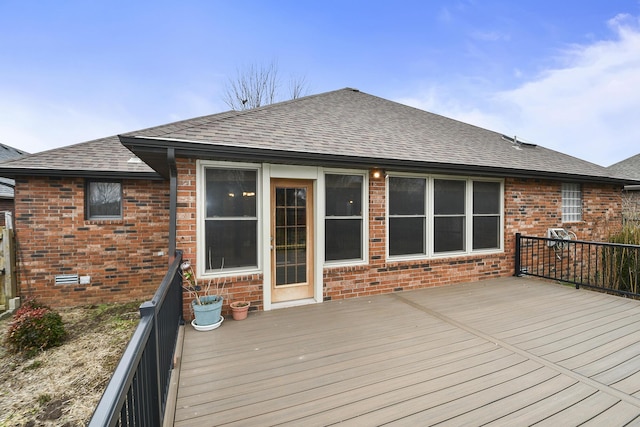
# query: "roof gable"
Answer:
x=628 y=168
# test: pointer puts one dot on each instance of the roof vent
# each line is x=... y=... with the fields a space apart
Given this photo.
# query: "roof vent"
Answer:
x=518 y=144
x=67 y=279
x=134 y=159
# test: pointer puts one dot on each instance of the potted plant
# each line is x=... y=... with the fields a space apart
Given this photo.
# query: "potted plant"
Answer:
x=239 y=309
x=206 y=306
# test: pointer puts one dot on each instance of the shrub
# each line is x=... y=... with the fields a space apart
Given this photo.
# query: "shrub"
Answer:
x=35 y=327
x=622 y=263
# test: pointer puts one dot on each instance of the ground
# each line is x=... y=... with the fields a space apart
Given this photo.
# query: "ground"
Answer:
x=62 y=386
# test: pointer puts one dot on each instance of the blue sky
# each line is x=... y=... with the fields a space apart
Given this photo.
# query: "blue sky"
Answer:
x=562 y=74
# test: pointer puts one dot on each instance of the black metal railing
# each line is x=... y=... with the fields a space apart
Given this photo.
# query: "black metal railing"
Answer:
x=609 y=267
x=137 y=392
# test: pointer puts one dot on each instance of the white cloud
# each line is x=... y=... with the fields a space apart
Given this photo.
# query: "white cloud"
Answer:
x=588 y=107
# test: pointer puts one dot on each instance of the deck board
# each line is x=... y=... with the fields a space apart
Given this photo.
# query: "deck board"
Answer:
x=511 y=351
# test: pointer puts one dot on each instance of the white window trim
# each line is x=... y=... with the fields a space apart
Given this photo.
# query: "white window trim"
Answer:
x=201 y=166
x=570 y=217
x=365 y=216
x=429 y=229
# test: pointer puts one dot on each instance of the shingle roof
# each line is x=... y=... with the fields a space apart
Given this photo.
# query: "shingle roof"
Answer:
x=100 y=157
x=345 y=127
x=349 y=124
x=628 y=168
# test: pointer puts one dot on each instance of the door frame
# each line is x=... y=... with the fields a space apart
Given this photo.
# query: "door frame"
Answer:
x=290 y=292
x=316 y=175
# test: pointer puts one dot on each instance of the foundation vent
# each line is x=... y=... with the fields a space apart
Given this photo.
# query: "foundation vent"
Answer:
x=67 y=279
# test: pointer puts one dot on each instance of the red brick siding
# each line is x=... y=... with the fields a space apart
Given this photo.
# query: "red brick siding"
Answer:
x=530 y=207
x=121 y=256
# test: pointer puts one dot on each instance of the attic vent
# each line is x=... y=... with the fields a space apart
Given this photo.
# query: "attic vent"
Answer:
x=67 y=279
x=518 y=144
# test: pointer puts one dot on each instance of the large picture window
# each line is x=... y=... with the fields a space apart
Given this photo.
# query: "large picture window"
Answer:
x=343 y=217
x=407 y=210
x=435 y=216
x=103 y=200
x=231 y=220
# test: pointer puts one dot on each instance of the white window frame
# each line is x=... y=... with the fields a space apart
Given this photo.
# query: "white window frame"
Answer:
x=201 y=203
x=571 y=195
x=429 y=229
x=365 y=216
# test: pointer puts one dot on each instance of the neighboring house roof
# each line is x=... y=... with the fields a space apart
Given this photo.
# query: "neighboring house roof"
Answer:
x=349 y=128
x=343 y=128
x=6 y=184
x=628 y=168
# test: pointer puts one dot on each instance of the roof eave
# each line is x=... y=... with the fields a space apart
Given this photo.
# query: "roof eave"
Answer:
x=18 y=172
x=153 y=152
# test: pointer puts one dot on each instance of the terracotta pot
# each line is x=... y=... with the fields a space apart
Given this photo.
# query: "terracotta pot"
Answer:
x=239 y=309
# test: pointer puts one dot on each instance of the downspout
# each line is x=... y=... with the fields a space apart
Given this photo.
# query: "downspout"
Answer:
x=173 y=202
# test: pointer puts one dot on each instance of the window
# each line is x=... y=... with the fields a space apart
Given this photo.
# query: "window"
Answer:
x=448 y=215
x=571 y=203
x=407 y=214
x=343 y=217
x=486 y=215
x=435 y=216
x=103 y=200
x=231 y=221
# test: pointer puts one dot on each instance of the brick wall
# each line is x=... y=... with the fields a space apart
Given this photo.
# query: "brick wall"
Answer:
x=531 y=206
x=126 y=258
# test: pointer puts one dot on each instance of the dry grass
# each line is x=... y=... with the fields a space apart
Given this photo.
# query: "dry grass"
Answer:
x=62 y=386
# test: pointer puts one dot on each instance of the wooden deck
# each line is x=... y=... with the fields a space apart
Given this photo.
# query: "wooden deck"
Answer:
x=511 y=351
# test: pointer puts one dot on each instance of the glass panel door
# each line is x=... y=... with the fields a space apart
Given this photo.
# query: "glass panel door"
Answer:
x=292 y=239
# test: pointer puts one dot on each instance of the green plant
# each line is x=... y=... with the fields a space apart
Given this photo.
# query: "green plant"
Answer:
x=35 y=327
x=622 y=263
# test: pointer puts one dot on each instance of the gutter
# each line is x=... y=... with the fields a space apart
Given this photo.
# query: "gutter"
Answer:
x=632 y=187
x=148 y=146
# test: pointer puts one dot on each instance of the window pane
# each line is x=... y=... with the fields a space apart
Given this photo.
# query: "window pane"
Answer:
x=448 y=234
x=406 y=236
x=406 y=196
x=104 y=200
x=231 y=193
x=486 y=232
x=448 y=197
x=233 y=243
x=343 y=195
x=486 y=197
x=343 y=239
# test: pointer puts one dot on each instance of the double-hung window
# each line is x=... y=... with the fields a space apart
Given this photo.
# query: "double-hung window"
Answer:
x=230 y=219
x=486 y=215
x=571 y=202
x=407 y=216
x=103 y=199
x=449 y=215
x=344 y=221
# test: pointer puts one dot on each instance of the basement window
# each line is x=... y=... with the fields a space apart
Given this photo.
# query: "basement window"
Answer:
x=103 y=199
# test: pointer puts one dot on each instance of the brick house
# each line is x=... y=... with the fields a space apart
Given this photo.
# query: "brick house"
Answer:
x=6 y=184
x=325 y=197
x=629 y=169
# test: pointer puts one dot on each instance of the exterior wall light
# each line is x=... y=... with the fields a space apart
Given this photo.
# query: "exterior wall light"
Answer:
x=377 y=173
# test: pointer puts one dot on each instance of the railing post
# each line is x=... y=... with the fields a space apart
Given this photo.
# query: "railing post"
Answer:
x=148 y=308
x=517 y=260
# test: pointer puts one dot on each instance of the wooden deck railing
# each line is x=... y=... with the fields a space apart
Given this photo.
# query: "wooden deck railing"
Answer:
x=137 y=392
x=608 y=267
